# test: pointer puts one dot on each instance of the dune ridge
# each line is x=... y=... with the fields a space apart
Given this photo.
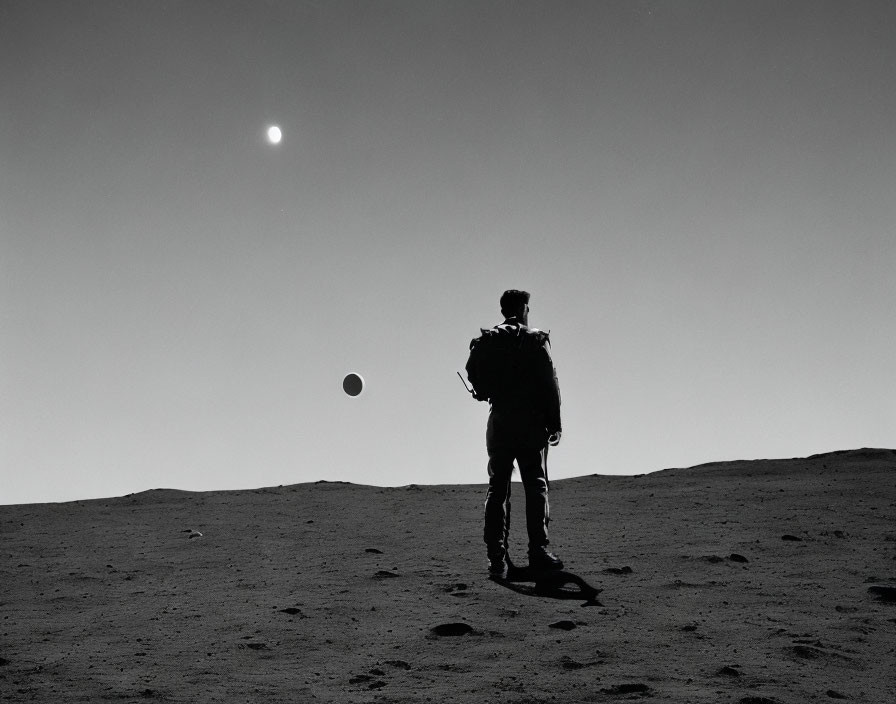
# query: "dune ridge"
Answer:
x=751 y=582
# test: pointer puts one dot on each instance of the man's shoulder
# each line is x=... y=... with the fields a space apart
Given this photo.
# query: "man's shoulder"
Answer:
x=484 y=334
x=540 y=335
x=515 y=330
x=496 y=331
x=535 y=337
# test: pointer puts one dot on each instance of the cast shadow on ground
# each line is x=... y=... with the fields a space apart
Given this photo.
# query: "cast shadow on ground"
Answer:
x=553 y=584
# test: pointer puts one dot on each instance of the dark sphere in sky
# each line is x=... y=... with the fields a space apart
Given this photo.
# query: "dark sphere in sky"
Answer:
x=353 y=384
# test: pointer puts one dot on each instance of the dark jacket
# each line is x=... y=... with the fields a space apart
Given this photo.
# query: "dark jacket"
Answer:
x=510 y=366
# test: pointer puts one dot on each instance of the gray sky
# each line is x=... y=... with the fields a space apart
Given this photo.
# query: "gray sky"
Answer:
x=699 y=195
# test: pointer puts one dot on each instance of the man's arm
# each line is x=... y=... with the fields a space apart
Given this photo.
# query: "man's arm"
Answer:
x=472 y=369
x=550 y=388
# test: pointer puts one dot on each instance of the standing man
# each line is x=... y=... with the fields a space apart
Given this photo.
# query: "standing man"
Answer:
x=510 y=367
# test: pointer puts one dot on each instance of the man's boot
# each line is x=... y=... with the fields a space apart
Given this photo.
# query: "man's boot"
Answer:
x=541 y=559
x=497 y=563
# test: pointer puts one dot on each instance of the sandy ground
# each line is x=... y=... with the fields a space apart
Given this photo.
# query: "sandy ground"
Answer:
x=745 y=582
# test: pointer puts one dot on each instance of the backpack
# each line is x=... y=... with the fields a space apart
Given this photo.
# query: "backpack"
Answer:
x=502 y=361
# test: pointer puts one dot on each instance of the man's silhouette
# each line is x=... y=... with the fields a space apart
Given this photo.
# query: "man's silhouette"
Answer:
x=510 y=366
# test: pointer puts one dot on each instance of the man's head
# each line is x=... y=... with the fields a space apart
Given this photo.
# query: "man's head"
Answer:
x=515 y=304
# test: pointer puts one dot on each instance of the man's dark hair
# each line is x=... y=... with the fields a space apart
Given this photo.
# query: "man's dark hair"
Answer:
x=512 y=300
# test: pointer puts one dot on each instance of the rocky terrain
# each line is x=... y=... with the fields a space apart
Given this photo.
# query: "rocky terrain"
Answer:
x=749 y=582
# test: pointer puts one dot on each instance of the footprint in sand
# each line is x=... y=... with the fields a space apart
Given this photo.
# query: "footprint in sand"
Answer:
x=618 y=570
x=629 y=688
x=400 y=664
x=370 y=680
x=887 y=594
x=563 y=625
x=452 y=629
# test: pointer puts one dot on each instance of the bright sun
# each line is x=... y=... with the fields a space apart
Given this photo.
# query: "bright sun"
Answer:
x=274 y=134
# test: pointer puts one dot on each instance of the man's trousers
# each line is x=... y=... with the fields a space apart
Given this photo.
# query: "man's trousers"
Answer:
x=532 y=464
